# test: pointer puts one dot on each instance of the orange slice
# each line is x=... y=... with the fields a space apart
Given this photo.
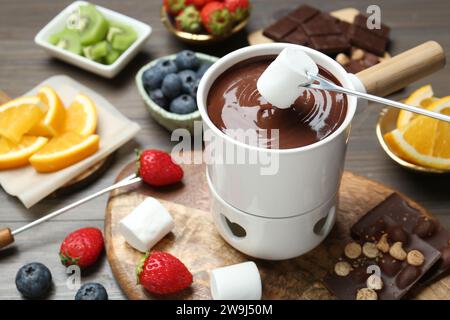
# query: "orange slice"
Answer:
x=424 y=141
x=81 y=116
x=16 y=155
x=415 y=99
x=53 y=122
x=64 y=151
x=18 y=116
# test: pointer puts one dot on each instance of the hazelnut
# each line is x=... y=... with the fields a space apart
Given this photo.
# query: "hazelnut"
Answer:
x=374 y=282
x=397 y=252
x=383 y=244
x=415 y=258
x=342 y=268
x=366 y=294
x=352 y=250
x=342 y=58
x=370 y=250
x=357 y=54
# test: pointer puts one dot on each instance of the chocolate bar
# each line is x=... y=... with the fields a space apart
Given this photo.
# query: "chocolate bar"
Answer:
x=309 y=26
x=330 y=44
x=366 y=40
x=383 y=264
x=361 y=21
x=414 y=222
x=280 y=29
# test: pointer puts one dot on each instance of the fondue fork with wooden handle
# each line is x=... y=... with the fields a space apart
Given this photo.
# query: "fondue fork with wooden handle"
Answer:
x=7 y=236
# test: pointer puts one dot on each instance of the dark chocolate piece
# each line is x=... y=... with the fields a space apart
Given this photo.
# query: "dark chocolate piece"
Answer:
x=297 y=36
x=330 y=44
x=343 y=26
x=367 y=40
x=370 y=59
x=354 y=66
x=280 y=28
x=397 y=276
x=425 y=228
x=303 y=13
x=321 y=25
x=361 y=21
x=397 y=234
x=396 y=208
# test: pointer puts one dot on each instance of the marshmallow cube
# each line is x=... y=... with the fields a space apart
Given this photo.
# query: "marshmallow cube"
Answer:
x=236 y=282
x=279 y=83
x=146 y=225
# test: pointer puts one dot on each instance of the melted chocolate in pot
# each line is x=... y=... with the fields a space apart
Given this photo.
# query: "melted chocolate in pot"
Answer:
x=234 y=103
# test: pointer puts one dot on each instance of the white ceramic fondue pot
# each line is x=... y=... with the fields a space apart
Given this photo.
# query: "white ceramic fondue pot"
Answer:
x=289 y=211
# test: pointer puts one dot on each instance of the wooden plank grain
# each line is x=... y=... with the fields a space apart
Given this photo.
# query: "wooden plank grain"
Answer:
x=23 y=64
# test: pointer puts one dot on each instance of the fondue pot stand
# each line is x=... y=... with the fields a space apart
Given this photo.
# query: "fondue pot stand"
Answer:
x=286 y=214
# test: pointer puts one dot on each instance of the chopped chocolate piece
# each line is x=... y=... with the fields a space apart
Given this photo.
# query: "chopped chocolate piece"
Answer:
x=397 y=277
x=354 y=66
x=280 y=28
x=407 y=276
x=331 y=44
x=367 y=40
x=343 y=26
x=424 y=228
x=297 y=36
x=361 y=21
x=397 y=234
x=396 y=208
x=370 y=59
x=303 y=13
x=321 y=25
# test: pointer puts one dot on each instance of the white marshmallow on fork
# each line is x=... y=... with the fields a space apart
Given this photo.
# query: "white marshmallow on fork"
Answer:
x=279 y=83
x=236 y=282
x=147 y=224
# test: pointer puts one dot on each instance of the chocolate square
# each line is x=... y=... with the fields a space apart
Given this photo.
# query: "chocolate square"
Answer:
x=361 y=21
x=330 y=44
x=297 y=36
x=354 y=66
x=396 y=208
x=343 y=26
x=321 y=24
x=367 y=40
x=280 y=28
x=303 y=13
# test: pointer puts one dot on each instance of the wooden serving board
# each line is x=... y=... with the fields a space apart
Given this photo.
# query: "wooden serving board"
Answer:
x=196 y=242
x=89 y=176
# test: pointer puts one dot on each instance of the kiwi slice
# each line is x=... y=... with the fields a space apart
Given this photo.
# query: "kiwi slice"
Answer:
x=97 y=51
x=112 y=56
x=121 y=36
x=67 y=40
x=90 y=24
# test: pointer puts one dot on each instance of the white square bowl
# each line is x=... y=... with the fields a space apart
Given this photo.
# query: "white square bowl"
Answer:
x=109 y=71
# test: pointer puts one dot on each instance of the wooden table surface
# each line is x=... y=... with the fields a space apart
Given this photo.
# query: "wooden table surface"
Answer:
x=23 y=64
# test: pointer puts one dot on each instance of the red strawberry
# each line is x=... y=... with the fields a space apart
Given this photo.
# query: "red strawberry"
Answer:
x=162 y=273
x=157 y=168
x=216 y=19
x=198 y=3
x=82 y=247
x=174 y=6
x=240 y=9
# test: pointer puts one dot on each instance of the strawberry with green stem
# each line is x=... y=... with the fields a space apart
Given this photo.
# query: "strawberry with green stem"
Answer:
x=174 y=7
x=239 y=9
x=216 y=18
x=189 y=20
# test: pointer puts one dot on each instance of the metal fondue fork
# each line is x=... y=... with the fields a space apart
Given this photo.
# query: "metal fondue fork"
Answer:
x=7 y=236
x=325 y=84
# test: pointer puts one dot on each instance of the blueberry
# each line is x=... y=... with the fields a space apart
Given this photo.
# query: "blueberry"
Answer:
x=171 y=86
x=158 y=97
x=91 y=291
x=187 y=60
x=33 y=280
x=167 y=67
x=152 y=78
x=203 y=68
x=184 y=104
x=188 y=78
x=194 y=90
